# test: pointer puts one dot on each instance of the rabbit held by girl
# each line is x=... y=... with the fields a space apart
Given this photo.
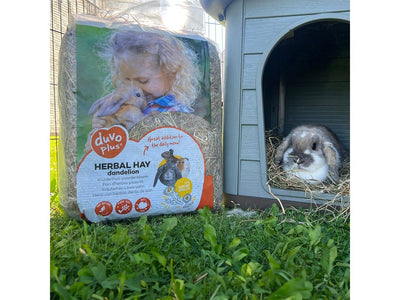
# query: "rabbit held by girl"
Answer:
x=156 y=65
x=312 y=153
x=124 y=107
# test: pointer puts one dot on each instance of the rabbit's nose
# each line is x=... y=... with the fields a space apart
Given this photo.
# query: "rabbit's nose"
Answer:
x=148 y=97
x=298 y=160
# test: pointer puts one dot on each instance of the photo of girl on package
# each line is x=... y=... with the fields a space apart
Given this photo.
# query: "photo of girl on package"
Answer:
x=150 y=72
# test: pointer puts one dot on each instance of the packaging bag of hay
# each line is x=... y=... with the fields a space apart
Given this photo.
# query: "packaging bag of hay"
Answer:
x=141 y=121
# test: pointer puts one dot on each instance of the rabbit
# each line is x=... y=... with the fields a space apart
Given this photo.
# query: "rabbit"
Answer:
x=168 y=173
x=312 y=153
x=122 y=107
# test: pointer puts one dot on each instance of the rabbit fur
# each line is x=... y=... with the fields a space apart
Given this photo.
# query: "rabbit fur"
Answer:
x=122 y=107
x=312 y=153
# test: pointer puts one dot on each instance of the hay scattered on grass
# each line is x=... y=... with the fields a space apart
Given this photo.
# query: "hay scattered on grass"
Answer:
x=277 y=178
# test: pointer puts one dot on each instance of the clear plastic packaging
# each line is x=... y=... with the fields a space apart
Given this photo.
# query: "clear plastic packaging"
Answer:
x=141 y=121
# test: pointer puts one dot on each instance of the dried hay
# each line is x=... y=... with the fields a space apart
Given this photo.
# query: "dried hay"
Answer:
x=215 y=88
x=67 y=164
x=277 y=178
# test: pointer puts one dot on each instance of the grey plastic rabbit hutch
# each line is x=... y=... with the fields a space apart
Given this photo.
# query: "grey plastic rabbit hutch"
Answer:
x=286 y=63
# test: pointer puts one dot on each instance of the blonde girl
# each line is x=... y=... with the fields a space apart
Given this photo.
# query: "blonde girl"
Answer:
x=158 y=64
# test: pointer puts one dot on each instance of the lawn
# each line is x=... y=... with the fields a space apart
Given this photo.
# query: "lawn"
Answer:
x=302 y=254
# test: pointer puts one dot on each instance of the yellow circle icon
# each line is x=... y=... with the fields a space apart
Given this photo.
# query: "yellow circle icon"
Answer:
x=183 y=186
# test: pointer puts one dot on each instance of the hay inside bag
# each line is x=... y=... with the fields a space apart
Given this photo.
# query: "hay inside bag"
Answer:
x=140 y=121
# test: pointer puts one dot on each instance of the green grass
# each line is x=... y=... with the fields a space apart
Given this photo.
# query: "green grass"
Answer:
x=53 y=175
x=302 y=254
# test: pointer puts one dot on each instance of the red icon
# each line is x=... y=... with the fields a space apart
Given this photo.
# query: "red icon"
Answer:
x=142 y=205
x=123 y=207
x=103 y=208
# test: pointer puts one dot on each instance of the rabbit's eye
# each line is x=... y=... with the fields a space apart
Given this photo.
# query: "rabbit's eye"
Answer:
x=138 y=95
x=142 y=80
x=314 y=146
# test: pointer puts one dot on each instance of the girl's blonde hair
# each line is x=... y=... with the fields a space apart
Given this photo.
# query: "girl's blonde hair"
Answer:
x=173 y=57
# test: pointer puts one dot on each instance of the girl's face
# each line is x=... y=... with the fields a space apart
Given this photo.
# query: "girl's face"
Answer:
x=143 y=71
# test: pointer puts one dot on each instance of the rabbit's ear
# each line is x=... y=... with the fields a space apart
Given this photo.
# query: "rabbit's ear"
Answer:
x=332 y=159
x=95 y=106
x=282 y=148
x=110 y=106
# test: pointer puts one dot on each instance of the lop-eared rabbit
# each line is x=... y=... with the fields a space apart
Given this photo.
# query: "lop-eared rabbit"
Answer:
x=312 y=153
